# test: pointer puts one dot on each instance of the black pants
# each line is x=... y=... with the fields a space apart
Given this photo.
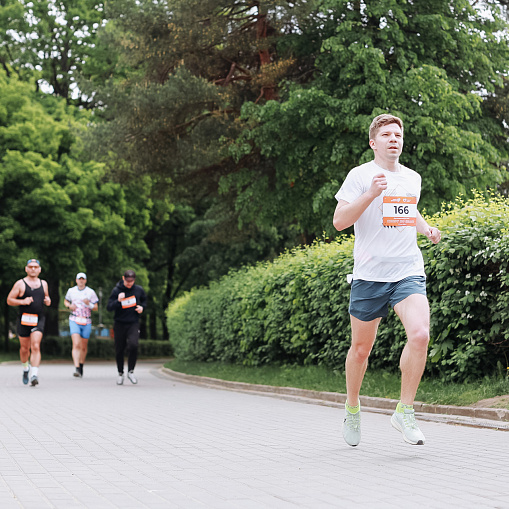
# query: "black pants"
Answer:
x=126 y=335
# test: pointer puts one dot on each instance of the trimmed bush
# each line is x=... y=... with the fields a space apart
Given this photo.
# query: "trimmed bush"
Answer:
x=295 y=309
x=61 y=348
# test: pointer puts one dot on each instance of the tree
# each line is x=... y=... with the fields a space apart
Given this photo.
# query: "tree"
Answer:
x=54 y=42
x=435 y=64
x=193 y=246
x=183 y=71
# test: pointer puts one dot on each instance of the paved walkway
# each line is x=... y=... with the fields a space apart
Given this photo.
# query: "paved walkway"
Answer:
x=74 y=443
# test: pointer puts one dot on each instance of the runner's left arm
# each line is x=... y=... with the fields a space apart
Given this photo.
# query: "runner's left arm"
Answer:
x=47 y=299
x=431 y=232
x=94 y=301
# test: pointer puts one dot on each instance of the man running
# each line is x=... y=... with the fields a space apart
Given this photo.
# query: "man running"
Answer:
x=81 y=300
x=30 y=293
x=128 y=301
x=380 y=199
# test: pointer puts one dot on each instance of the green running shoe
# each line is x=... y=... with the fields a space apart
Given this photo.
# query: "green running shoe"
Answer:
x=406 y=423
x=352 y=428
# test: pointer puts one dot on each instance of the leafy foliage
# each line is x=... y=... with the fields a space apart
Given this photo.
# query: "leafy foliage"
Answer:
x=53 y=43
x=58 y=205
x=468 y=289
x=183 y=71
x=295 y=310
x=437 y=65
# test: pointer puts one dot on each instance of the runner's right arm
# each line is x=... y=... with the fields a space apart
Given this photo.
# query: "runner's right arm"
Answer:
x=69 y=304
x=347 y=213
x=113 y=302
x=13 y=299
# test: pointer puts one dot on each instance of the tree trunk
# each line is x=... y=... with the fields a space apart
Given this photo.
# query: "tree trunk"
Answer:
x=3 y=293
x=152 y=319
x=172 y=250
x=268 y=91
x=51 y=328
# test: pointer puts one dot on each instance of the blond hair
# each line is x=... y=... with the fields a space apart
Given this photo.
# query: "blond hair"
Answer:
x=380 y=121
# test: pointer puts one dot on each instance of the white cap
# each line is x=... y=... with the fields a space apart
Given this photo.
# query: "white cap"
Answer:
x=81 y=275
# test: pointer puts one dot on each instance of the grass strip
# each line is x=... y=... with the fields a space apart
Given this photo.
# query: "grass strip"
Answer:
x=10 y=356
x=376 y=383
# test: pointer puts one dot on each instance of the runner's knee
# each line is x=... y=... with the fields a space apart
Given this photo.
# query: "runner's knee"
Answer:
x=360 y=352
x=419 y=338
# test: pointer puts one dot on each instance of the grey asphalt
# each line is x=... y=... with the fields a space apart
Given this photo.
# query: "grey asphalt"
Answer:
x=74 y=443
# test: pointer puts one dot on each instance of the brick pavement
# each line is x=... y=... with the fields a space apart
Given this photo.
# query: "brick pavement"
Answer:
x=72 y=443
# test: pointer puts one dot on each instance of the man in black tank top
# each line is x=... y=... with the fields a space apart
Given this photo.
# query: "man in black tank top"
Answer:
x=30 y=294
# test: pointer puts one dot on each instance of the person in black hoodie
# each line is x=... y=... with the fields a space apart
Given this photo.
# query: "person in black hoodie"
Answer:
x=128 y=300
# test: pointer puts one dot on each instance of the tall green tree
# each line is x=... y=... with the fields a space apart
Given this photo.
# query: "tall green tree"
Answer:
x=183 y=71
x=439 y=65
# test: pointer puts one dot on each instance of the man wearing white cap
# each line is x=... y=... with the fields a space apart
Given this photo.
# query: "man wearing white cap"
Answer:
x=81 y=300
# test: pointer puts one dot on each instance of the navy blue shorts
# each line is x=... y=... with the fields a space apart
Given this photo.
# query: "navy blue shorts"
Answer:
x=370 y=299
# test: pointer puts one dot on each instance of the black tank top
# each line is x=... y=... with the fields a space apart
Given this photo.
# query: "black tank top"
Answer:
x=36 y=307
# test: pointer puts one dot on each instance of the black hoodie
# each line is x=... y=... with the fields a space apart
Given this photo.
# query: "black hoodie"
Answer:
x=127 y=314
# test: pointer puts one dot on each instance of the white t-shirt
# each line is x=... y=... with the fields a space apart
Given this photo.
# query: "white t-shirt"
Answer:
x=384 y=253
x=76 y=296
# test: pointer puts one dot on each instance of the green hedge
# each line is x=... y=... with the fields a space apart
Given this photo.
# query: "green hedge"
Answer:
x=60 y=348
x=295 y=310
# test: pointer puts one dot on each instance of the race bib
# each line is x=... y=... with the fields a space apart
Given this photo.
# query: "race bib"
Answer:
x=399 y=211
x=128 y=302
x=29 y=319
x=80 y=320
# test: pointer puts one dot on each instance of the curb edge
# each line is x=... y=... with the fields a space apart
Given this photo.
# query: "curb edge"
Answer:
x=499 y=417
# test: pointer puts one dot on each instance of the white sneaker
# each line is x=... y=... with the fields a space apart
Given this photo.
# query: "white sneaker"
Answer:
x=405 y=423
x=120 y=379
x=352 y=428
x=132 y=378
